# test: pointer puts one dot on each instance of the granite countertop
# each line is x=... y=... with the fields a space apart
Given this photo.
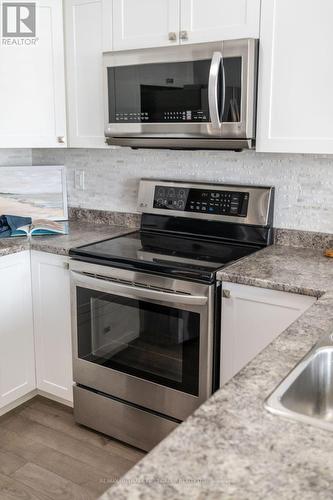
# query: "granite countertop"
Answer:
x=231 y=447
x=80 y=233
x=13 y=245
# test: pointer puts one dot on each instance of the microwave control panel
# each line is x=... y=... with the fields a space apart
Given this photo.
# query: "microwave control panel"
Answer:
x=204 y=201
x=162 y=116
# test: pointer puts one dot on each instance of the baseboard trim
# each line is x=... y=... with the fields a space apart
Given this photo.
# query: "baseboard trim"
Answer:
x=30 y=395
x=57 y=399
x=18 y=402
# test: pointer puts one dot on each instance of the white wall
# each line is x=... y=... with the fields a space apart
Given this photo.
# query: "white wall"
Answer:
x=304 y=183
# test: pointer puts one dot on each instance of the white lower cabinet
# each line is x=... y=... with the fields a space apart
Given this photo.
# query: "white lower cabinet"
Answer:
x=52 y=324
x=17 y=366
x=251 y=319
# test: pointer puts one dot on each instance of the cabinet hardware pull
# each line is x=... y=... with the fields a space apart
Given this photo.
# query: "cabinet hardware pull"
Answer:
x=172 y=36
x=183 y=35
x=61 y=139
x=226 y=294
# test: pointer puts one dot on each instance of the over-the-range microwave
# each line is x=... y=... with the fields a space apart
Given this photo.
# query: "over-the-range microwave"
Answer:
x=193 y=96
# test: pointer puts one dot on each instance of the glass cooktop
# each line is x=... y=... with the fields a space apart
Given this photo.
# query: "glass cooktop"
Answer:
x=176 y=256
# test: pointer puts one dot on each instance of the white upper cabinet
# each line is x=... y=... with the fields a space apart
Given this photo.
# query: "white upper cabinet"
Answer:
x=84 y=22
x=32 y=82
x=211 y=20
x=155 y=23
x=17 y=367
x=145 y=23
x=295 y=99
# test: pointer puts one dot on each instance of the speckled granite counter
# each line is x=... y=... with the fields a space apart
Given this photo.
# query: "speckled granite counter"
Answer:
x=298 y=270
x=231 y=447
x=13 y=245
x=80 y=233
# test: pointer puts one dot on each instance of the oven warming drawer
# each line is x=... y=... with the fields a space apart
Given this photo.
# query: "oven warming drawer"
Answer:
x=132 y=425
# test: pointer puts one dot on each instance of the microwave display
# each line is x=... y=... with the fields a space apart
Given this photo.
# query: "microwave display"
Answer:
x=171 y=92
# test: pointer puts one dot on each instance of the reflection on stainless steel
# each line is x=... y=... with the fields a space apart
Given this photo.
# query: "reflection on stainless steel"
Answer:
x=108 y=285
x=133 y=425
x=306 y=394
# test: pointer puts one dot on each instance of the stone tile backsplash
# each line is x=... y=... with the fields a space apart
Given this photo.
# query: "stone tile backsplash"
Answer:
x=304 y=183
x=15 y=157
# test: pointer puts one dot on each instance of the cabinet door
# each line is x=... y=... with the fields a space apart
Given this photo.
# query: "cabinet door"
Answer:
x=52 y=321
x=251 y=319
x=145 y=23
x=213 y=20
x=83 y=21
x=17 y=367
x=32 y=85
x=295 y=99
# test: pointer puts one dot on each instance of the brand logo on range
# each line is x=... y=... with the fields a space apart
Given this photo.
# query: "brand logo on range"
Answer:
x=19 y=23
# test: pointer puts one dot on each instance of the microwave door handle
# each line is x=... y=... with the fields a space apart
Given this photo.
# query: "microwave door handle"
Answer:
x=213 y=84
x=135 y=291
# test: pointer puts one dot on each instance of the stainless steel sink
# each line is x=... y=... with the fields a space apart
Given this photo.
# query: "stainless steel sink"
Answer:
x=306 y=394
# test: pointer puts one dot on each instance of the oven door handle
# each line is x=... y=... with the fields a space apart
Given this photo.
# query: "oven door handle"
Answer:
x=213 y=86
x=135 y=291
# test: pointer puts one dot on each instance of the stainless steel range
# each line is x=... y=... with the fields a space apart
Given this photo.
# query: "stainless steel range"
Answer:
x=145 y=306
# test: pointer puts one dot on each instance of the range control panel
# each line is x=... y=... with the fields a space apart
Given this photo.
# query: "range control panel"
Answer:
x=204 y=201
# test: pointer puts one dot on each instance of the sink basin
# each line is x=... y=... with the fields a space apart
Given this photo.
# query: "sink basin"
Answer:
x=306 y=394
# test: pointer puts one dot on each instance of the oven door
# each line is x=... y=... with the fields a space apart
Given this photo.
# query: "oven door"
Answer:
x=144 y=339
x=184 y=92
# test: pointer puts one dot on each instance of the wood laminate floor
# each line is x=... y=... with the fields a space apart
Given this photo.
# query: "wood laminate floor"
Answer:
x=44 y=455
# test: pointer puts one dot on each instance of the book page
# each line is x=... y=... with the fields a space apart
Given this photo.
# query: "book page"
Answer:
x=46 y=224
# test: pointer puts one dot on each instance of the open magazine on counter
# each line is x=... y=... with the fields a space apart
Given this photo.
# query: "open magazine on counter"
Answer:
x=13 y=226
x=41 y=227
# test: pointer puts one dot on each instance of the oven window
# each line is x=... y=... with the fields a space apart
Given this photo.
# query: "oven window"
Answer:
x=153 y=342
